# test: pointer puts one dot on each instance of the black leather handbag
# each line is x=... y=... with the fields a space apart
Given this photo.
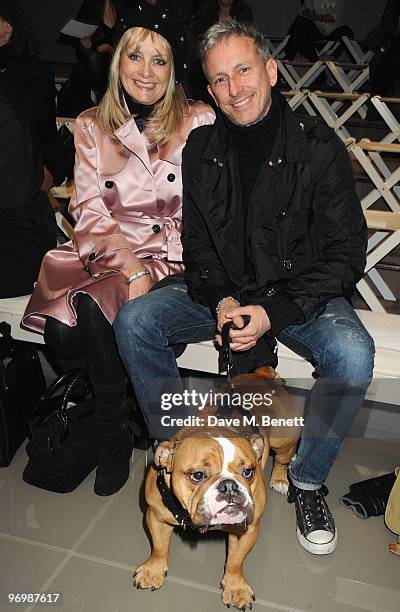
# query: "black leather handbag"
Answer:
x=63 y=447
x=21 y=384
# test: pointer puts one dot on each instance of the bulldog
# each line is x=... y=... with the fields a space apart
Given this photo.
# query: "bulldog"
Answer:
x=212 y=477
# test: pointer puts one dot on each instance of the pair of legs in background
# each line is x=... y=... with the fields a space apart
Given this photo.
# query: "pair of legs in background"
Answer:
x=91 y=344
x=335 y=341
x=304 y=35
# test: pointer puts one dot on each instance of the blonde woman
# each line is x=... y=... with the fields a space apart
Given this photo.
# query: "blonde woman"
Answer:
x=127 y=207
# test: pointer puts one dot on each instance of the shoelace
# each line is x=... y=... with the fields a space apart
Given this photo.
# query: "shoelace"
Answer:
x=314 y=508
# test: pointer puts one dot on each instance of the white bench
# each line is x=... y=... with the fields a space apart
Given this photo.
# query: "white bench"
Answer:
x=385 y=330
x=203 y=357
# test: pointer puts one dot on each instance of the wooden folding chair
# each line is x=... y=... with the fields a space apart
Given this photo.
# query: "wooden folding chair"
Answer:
x=350 y=77
x=369 y=154
x=296 y=81
x=381 y=105
x=69 y=122
x=277 y=45
x=382 y=242
x=295 y=98
x=358 y=55
x=326 y=109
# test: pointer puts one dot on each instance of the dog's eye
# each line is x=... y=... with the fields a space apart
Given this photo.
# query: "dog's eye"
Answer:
x=197 y=477
x=248 y=472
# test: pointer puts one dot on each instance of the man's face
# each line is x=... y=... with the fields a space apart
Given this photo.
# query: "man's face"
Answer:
x=240 y=80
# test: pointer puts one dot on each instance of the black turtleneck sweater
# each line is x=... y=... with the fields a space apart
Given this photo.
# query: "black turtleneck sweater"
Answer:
x=253 y=146
x=141 y=112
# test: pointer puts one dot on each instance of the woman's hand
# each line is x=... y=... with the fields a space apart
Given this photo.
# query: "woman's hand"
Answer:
x=140 y=286
x=104 y=48
x=86 y=42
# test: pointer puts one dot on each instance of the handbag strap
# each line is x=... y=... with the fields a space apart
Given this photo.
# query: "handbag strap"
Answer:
x=68 y=392
x=68 y=381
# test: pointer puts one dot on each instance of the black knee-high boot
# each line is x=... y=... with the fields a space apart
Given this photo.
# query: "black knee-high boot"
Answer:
x=115 y=434
x=112 y=408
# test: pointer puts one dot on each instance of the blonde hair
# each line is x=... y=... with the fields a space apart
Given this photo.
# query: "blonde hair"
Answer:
x=167 y=113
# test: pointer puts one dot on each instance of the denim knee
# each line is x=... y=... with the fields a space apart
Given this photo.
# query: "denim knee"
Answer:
x=129 y=320
x=349 y=355
x=138 y=321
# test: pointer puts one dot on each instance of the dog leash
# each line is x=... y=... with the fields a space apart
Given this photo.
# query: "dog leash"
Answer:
x=226 y=351
x=227 y=365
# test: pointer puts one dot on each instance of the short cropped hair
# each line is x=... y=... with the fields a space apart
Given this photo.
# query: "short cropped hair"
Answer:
x=224 y=29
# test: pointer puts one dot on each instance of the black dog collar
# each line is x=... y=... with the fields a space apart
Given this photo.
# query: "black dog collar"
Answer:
x=171 y=502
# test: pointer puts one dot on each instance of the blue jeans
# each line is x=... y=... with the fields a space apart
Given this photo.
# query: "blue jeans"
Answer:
x=335 y=342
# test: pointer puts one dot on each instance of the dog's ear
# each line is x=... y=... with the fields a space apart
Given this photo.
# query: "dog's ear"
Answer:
x=164 y=456
x=257 y=444
x=265 y=372
x=268 y=372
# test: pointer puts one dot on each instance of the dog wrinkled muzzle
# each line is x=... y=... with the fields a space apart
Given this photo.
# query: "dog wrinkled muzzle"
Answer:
x=226 y=503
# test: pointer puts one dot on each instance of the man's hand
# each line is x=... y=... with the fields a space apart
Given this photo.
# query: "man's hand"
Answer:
x=245 y=337
x=225 y=307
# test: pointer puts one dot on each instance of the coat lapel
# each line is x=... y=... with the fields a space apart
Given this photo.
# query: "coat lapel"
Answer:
x=171 y=151
x=129 y=135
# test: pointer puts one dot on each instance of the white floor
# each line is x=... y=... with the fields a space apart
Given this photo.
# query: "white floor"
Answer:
x=86 y=547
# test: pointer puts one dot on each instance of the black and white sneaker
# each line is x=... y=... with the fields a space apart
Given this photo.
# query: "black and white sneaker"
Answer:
x=316 y=530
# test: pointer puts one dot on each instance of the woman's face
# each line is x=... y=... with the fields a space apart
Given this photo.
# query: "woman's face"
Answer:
x=5 y=32
x=145 y=71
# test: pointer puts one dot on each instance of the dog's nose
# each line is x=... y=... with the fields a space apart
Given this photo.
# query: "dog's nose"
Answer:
x=228 y=487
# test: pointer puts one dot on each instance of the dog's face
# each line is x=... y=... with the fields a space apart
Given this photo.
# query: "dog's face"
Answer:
x=214 y=477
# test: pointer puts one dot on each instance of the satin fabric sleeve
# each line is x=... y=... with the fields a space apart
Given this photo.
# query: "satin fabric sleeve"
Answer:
x=97 y=236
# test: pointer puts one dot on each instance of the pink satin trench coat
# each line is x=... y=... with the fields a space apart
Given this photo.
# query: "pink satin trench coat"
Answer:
x=128 y=210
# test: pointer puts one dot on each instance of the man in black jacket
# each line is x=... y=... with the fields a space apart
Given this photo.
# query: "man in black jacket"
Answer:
x=272 y=230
